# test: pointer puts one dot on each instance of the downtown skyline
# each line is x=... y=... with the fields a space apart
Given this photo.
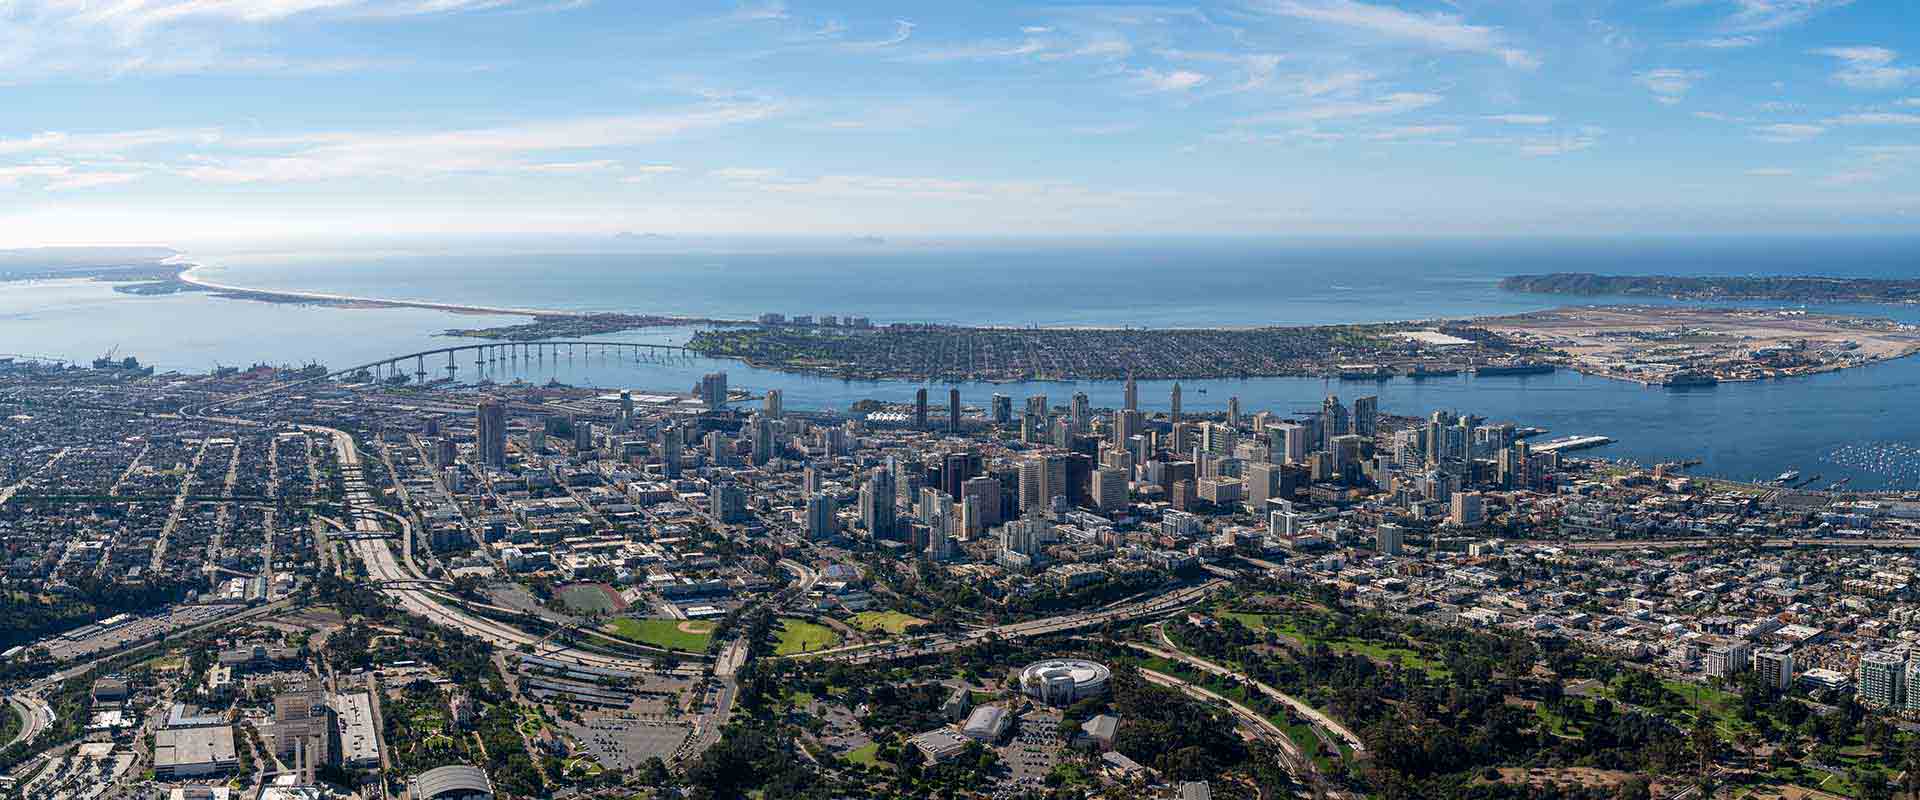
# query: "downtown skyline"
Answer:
x=188 y=121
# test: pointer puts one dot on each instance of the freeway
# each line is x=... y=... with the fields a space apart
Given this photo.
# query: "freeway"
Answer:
x=1173 y=652
x=1290 y=756
x=35 y=716
x=412 y=591
x=930 y=644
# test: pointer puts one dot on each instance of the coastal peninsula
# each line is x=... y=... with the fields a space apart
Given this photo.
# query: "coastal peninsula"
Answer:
x=1803 y=288
x=1653 y=345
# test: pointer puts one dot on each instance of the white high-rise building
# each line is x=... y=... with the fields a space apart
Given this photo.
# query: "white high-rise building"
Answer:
x=1880 y=680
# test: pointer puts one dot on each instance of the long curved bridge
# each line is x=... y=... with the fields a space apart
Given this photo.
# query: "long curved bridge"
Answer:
x=513 y=353
x=484 y=355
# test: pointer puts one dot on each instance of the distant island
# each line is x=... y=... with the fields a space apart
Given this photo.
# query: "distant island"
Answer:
x=1802 y=288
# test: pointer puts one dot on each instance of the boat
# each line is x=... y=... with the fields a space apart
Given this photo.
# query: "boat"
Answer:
x=1514 y=368
x=1425 y=371
x=1788 y=477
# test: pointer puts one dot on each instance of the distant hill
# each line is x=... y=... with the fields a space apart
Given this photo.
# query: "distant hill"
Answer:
x=1807 y=288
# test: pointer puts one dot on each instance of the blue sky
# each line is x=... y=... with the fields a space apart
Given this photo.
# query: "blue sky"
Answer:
x=187 y=121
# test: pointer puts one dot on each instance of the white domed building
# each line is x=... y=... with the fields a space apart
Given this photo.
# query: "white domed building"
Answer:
x=1063 y=681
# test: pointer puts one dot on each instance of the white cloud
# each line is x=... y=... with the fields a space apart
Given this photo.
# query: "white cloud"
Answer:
x=1870 y=67
x=1877 y=118
x=116 y=38
x=902 y=31
x=1256 y=70
x=1436 y=30
x=1669 y=85
x=1522 y=119
x=755 y=12
x=1726 y=42
x=1179 y=80
x=57 y=177
x=1788 y=133
x=1396 y=103
x=744 y=174
x=482 y=151
x=1414 y=133
x=1770 y=15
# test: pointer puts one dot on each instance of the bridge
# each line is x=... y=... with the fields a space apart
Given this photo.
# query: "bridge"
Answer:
x=509 y=354
x=485 y=355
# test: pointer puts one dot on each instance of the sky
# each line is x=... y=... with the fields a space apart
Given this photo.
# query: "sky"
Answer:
x=201 y=121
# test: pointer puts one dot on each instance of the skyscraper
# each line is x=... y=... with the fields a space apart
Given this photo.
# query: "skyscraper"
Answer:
x=713 y=389
x=1110 y=489
x=490 y=433
x=955 y=470
x=672 y=441
x=1366 y=415
x=761 y=430
x=920 y=408
x=986 y=490
x=1289 y=441
x=773 y=408
x=1333 y=421
x=1880 y=679
x=1133 y=394
x=877 y=504
x=1002 y=409
x=1082 y=412
x=583 y=436
x=953 y=410
x=1127 y=424
x=821 y=520
x=1176 y=401
x=1389 y=539
x=1233 y=410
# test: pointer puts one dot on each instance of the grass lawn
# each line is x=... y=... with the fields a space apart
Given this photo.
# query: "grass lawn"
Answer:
x=1373 y=650
x=588 y=598
x=801 y=636
x=866 y=755
x=892 y=622
x=673 y=634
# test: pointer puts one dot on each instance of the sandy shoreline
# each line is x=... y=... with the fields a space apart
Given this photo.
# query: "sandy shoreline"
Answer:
x=187 y=276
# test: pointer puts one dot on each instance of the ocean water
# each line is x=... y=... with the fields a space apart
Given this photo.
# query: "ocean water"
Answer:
x=1153 y=284
x=1861 y=417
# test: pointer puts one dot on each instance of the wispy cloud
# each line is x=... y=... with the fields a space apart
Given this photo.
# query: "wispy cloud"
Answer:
x=482 y=151
x=1788 y=133
x=1877 y=118
x=1404 y=133
x=902 y=31
x=1386 y=105
x=1522 y=119
x=1669 y=85
x=1869 y=67
x=1726 y=42
x=1179 y=80
x=1770 y=172
x=1438 y=30
x=1771 y=15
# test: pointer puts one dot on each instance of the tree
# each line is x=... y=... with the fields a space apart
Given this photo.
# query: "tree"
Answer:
x=1634 y=788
